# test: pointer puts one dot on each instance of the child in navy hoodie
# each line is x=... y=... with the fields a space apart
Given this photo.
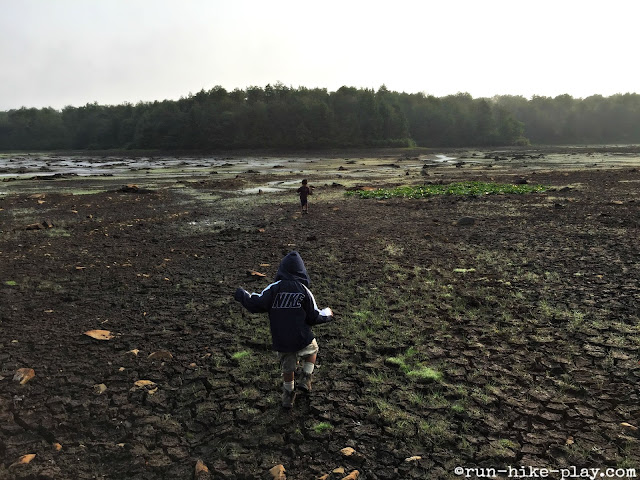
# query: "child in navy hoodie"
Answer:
x=292 y=311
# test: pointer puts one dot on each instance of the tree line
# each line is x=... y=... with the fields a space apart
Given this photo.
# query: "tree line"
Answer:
x=281 y=117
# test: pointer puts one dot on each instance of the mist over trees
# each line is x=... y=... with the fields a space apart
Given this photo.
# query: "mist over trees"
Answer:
x=280 y=117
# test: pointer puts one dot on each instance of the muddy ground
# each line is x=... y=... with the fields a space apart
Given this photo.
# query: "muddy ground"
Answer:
x=512 y=341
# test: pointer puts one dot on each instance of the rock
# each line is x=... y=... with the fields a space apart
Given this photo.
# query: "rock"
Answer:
x=466 y=221
x=99 y=388
x=160 y=355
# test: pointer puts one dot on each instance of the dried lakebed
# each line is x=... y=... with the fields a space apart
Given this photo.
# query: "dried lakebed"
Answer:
x=509 y=340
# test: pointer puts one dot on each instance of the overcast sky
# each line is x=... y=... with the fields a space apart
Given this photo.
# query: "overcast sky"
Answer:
x=72 y=52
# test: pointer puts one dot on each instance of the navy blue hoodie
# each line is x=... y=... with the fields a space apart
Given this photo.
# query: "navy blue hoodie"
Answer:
x=290 y=304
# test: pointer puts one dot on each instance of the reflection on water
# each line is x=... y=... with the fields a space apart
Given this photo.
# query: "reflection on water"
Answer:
x=20 y=166
x=444 y=158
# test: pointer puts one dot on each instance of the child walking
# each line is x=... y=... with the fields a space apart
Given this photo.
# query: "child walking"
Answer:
x=292 y=311
x=304 y=191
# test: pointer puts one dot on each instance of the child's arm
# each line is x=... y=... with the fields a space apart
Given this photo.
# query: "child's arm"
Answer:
x=316 y=316
x=255 y=302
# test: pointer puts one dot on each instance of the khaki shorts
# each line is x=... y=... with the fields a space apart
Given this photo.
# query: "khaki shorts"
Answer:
x=288 y=361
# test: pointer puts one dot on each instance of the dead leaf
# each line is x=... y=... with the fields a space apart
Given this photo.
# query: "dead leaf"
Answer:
x=135 y=351
x=415 y=458
x=57 y=446
x=324 y=477
x=80 y=268
x=338 y=471
x=201 y=467
x=253 y=273
x=152 y=391
x=265 y=264
x=121 y=369
x=347 y=451
x=569 y=441
x=99 y=388
x=25 y=459
x=352 y=476
x=277 y=472
x=629 y=426
x=160 y=355
x=99 y=334
x=23 y=375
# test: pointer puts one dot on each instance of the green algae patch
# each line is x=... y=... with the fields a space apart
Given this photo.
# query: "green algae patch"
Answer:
x=456 y=188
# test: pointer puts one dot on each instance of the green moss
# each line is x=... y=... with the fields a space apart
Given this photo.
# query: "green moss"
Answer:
x=322 y=427
x=240 y=355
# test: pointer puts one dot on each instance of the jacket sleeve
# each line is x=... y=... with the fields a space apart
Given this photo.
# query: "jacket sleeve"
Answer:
x=255 y=302
x=316 y=316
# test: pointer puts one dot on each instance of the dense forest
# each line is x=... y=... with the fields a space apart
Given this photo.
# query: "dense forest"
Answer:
x=280 y=117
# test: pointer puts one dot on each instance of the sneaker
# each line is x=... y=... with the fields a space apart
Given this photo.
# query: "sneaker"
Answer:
x=304 y=382
x=288 y=398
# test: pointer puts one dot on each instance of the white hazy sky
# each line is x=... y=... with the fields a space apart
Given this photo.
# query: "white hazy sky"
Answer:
x=72 y=52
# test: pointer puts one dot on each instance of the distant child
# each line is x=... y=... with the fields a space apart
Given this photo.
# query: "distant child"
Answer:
x=304 y=191
x=292 y=311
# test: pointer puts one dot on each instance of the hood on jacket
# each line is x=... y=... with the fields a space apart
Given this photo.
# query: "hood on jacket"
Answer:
x=292 y=268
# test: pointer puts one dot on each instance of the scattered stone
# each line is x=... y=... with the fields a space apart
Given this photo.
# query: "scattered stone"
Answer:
x=466 y=221
x=132 y=188
x=39 y=226
x=99 y=388
x=160 y=355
